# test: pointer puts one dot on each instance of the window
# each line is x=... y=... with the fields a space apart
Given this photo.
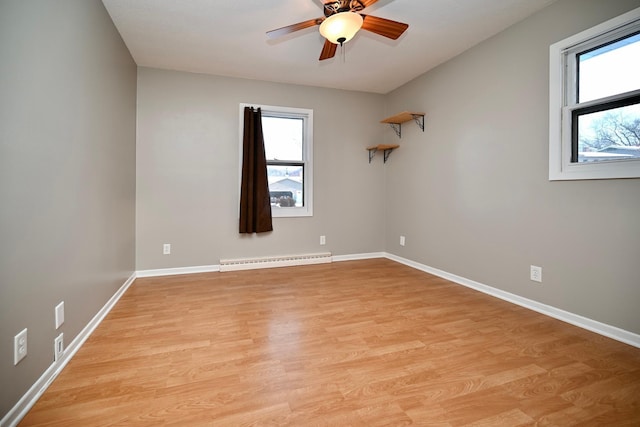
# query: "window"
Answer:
x=288 y=141
x=594 y=116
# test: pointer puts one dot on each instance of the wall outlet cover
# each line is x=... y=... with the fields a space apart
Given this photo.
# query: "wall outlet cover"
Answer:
x=20 y=346
x=59 y=314
x=58 y=347
x=536 y=273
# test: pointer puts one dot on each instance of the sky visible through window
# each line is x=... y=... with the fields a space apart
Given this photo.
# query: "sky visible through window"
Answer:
x=610 y=70
x=282 y=138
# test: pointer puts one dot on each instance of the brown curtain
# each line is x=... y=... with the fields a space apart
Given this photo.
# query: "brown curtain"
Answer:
x=255 y=203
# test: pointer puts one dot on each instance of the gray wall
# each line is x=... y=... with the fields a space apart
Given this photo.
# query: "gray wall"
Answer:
x=67 y=175
x=188 y=171
x=472 y=194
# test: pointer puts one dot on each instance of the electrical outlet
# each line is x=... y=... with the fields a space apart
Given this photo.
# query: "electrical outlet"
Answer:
x=166 y=249
x=323 y=240
x=59 y=314
x=536 y=273
x=58 y=347
x=19 y=346
x=402 y=240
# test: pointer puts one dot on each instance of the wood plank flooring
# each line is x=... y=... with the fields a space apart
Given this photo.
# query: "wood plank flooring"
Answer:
x=359 y=343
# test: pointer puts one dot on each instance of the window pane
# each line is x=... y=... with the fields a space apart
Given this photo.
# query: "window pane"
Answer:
x=608 y=135
x=285 y=185
x=283 y=138
x=609 y=69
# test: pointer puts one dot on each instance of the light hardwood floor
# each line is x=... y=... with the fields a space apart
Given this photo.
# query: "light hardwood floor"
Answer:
x=362 y=343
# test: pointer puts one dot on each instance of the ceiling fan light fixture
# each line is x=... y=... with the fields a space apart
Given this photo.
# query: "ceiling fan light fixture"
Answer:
x=341 y=27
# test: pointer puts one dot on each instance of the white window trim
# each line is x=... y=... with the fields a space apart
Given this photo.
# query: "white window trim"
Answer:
x=307 y=157
x=560 y=166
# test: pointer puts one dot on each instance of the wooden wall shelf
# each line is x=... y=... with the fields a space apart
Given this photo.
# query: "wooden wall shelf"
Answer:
x=385 y=148
x=396 y=121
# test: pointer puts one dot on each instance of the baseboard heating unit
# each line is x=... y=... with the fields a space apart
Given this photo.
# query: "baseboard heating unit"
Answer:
x=274 y=261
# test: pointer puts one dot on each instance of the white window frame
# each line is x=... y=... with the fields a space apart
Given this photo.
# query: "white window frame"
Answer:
x=562 y=84
x=307 y=155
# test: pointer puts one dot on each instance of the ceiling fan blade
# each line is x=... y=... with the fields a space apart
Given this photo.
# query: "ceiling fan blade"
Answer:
x=328 y=50
x=384 y=27
x=294 y=27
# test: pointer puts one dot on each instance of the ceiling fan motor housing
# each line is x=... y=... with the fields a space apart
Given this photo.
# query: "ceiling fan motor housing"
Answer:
x=332 y=8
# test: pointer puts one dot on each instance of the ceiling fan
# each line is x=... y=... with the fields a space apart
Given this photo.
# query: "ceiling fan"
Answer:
x=342 y=20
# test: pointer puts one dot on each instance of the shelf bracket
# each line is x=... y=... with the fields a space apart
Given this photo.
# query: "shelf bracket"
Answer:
x=386 y=154
x=419 y=119
x=372 y=153
x=397 y=127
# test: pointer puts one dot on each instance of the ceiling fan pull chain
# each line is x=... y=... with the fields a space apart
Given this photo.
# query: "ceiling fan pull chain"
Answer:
x=343 y=54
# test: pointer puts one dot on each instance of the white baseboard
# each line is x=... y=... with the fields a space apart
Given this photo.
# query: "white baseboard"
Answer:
x=574 y=319
x=356 y=257
x=179 y=270
x=13 y=417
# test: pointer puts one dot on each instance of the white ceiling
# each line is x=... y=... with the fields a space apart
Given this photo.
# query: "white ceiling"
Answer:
x=227 y=38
